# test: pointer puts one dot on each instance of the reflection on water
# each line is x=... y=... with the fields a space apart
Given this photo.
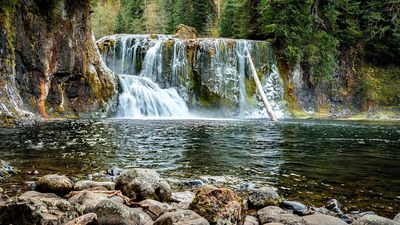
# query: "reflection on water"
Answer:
x=311 y=161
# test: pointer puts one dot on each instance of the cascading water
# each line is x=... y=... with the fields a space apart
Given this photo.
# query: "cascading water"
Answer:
x=203 y=73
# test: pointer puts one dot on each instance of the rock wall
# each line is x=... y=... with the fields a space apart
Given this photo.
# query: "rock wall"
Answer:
x=49 y=64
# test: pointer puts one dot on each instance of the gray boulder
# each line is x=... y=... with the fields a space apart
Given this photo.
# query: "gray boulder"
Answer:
x=182 y=200
x=296 y=207
x=140 y=184
x=86 y=201
x=251 y=220
x=37 y=208
x=274 y=214
x=397 y=218
x=181 y=217
x=54 y=183
x=265 y=196
x=153 y=208
x=374 y=220
x=320 y=219
x=114 y=213
x=87 y=219
x=86 y=184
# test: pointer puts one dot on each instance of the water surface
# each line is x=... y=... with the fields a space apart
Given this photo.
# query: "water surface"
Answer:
x=311 y=161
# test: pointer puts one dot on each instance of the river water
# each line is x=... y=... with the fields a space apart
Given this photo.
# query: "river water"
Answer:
x=311 y=161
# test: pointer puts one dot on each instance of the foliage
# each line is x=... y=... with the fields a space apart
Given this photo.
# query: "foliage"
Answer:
x=104 y=17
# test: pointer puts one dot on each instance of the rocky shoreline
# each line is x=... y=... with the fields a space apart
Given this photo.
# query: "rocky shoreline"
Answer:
x=142 y=196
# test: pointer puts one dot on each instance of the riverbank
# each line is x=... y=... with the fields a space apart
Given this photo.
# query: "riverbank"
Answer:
x=142 y=196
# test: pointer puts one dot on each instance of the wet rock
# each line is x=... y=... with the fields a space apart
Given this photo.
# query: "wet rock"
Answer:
x=297 y=207
x=397 y=218
x=251 y=220
x=86 y=184
x=181 y=217
x=334 y=206
x=193 y=183
x=153 y=208
x=262 y=197
x=374 y=220
x=86 y=201
x=218 y=205
x=87 y=219
x=6 y=169
x=274 y=214
x=140 y=184
x=37 y=208
x=185 y=32
x=355 y=215
x=54 y=183
x=114 y=213
x=182 y=200
x=319 y=219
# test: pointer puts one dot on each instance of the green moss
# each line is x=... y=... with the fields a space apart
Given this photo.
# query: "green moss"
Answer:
x=6 y=12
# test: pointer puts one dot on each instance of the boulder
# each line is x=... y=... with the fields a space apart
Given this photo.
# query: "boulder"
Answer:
x=140 y=184
x=86 y=184
x=397 y=218
x=86 y=201
x=374 y=220
x=87 y=219
x=54 y=183
x=153 y=208
x=251 y=220
x=320 y=219
x=218 y=205
x=262 y=197
x=296 y=207
x=185 y=32
x=274 y=214
x=37 y=208
x=181 y=217
x=6 y=169
x=114 y=213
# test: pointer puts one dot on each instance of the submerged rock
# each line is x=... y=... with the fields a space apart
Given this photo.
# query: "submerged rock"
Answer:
x=54 y=183
x=181 y=217
x=274 y=214
x=374 y=220
x=86 y=184
x=262 y=197
x=218 y=205
x=6 y=169
x=153 y=208
x=86 y=201
x=114 y=213
x=319 y=219
x=37 y=208
x=140 y=184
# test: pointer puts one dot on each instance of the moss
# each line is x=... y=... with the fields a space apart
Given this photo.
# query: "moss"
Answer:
x=6 y=12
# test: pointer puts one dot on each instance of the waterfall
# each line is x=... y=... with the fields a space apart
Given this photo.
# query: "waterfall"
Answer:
x=142 y=98
x=202 y=73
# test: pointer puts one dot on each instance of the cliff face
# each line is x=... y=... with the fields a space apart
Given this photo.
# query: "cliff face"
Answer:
x=49 y=64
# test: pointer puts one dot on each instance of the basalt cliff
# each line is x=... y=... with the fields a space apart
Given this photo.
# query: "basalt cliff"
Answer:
x=49 y=64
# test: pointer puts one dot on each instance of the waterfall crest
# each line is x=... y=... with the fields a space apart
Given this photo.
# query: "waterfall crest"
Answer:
x=204 y=73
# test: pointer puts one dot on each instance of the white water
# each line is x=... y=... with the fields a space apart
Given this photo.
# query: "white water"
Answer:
x=142 y=98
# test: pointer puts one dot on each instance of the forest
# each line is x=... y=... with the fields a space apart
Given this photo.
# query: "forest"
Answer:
x=313 y=33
